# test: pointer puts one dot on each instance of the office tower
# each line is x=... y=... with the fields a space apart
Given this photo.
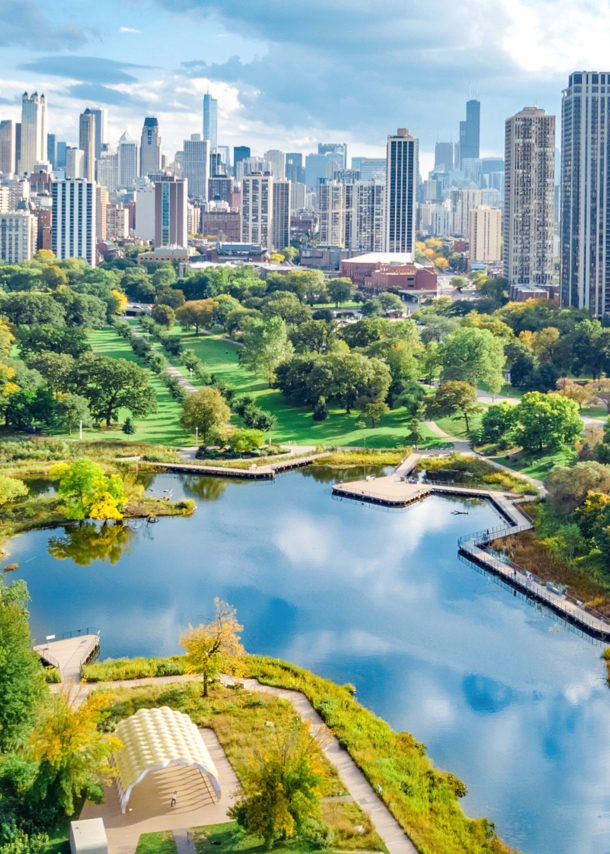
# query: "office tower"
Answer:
x=220 y=189
x=145 y=212
x=332 y=208
x=492 y=169
x=402 y=172
x=150 y=147
x=337 y=148
x=117 y=222
x=170 y=212
x=485 y=234
x=108 y=168
x=195 y=166
x=529 y=202
x=225 y=153
x=74 y=219
x=218 y=168
x=298 y=194
x=440 y=225
x=101 y=206
x=18 y=236
x=17 y=145
x=462 y=201
x=210 y=120
x=100 y=129
x=8 y=156
x=472 y=167
x=52 y=149
x=470 y=131
x=257 y=210
x=281 y=214
x=367 y=219
x=240 y=152
x=128 y=161
x=443 y=157
x=294 y=168
x=430 y=190
x=62 y=147
x=277 y=161
x=372 y=168
x=585 y=190
x=33 y=131
x=86 y=143
x=75 y=163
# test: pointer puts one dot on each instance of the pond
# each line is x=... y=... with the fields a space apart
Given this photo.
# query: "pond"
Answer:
x=503 y=694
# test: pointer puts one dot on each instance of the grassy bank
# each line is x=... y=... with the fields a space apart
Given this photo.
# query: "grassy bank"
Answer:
x=474 y=472
x=536 y=465
x=424 y=800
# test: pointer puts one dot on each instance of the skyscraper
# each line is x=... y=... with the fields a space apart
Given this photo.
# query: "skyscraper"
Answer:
x=368 y=204
x=52 y=149
x=257 y=210
x=150 y=147
x=240 y=152
x=100 y=129
x=18 y=234
x=33 y=131
x=470 y=131
x=585 y=188
x=170 y=212
x=401 y=183
x=338 y=148
x=281 y=214
x=331 y=204
x=529 y=203
x=128 y=161
x=485 y=234
x=8 y=155
x=210 y=120
x=108 y=168
x=443 y=156
x=196 y=166
x=74 y=219
x=294 y=168
x=75 y=163
x=86 y=143
x=277 y=161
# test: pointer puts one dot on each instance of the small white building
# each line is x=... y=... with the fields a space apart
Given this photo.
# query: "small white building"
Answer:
x=88 y=837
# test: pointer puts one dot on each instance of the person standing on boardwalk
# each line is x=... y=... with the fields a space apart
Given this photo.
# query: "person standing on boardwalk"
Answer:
x=174 y=800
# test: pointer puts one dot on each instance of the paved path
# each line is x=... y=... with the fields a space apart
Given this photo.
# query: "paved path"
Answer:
x=68 y=655
x=171 y=370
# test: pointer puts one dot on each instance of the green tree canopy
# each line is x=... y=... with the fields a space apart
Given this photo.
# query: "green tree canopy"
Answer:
x=453 y=399
x=473 y=355
x=112 y=384
x=86 y=492
x=546 y=421
x=340 y=290
x=32 y=308
x=266 y=345
x=164 y=315
x=205 y=410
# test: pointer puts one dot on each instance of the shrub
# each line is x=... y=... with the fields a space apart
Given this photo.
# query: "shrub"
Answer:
x=320 y=410
x=114 y=669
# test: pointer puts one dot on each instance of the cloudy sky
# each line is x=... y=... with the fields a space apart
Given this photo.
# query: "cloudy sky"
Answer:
x=292 y=74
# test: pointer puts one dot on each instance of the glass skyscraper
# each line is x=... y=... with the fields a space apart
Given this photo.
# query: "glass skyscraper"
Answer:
x=470 y=132
x=401 y=183
x=210 y=121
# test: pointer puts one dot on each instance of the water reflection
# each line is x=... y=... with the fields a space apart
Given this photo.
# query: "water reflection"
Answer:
x=328 y=474
x=87 y=542
x=203 y=487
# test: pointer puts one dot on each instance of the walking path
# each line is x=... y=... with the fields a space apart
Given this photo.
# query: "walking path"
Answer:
x=69 y=654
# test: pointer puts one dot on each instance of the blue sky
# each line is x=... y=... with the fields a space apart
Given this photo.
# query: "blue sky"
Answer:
x=290 y=74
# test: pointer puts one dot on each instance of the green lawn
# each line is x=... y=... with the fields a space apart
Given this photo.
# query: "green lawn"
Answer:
x=295 y=424
x=537 y=465
x=162 y=427
x=161 y=842
x=457 y=427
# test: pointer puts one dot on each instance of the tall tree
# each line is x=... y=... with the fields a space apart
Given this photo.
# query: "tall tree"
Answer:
x=546 y=421
x=473 y=355
x=22 y=683
x=86 y=492
x=205 y=410
x=32 y=308
x=197 y=313
x=453 y=399
x=266 y=345
x=339 y=290
x=211 y=646
x=112 y=384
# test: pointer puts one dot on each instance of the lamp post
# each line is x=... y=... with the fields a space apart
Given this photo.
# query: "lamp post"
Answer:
x=80 y=430
x=197 y=436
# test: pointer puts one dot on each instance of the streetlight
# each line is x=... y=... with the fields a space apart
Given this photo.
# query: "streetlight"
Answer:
x=197 y=436
x=80 y=431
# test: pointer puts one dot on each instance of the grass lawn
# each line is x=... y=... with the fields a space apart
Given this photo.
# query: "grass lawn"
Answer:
x=227 y=837
x=156 y=843
x=295 y=423
x=537 y=465
x=161 y=428
x=457 y=427
x=507 y=390
x=595 y=412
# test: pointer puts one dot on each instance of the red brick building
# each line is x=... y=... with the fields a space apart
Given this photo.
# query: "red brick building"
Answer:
x=382 y=271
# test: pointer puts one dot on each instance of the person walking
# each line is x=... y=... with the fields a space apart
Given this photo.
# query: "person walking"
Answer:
x=174 y=800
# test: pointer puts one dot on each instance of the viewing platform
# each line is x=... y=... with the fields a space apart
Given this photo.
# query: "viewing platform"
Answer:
x=69 y=652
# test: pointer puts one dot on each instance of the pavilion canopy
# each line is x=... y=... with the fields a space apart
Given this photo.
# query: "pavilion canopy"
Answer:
x=153 y=739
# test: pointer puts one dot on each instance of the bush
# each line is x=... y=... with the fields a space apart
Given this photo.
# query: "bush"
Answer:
x=34 y=449
x=172 y=345
x=52 y=675
x=320 y=410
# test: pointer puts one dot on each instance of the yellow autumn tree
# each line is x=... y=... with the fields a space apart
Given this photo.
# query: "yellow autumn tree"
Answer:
x=72 y=753
x=212 y=646
x=121 y=300
x=86 y=492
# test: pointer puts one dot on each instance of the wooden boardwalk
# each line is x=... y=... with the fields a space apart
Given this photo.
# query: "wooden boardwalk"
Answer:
x=265 y=472
x=69 y=654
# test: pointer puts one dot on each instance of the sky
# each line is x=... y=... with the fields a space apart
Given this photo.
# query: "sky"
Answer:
x=291 y=74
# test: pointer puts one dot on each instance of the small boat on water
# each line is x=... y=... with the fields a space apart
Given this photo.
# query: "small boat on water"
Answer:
x=459 y=512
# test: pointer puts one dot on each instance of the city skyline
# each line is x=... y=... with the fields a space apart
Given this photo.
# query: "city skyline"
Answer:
x=81 y=55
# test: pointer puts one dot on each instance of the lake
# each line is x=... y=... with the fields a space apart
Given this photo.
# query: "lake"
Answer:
x=501 y=692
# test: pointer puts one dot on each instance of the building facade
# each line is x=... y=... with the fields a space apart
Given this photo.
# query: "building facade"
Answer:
x=529 y=198
x=332 y=209
x=171 y=221
x=128 y=162
x=108 y=169
x=33 y=142
x=18 y=236
x=281 y=214
x=257 y=210
x=75 y=163
x=470 y=132
x=74 y=229
x=485 y=234
x=145 y=212
x=585 y=189
x=150 y=147
x=86 y=143
x=210 y=121
x=401 y=184
x=461 y=202
x=196 y=166
x=8 y=148
x=277 y=162
x=367 y=233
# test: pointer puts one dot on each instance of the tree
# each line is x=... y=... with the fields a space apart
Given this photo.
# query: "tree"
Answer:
x=497 y=423
x=390 y=302
x=173 y=297
x=437 y=327
x=581 y=394
x=205 y=410
x=113 y=384
x=72 y=751
x=546 y=420
x=32 y=308
x=54 y=367
x=415 y=435
x=84 y=310
x=459 y=283
x=212 y=646
x=197 y=313
x=72 y=409
x=352 y=376
x=86 y=492
x=54 y=277
x=600 y=390
x=453 y=399
x=164 y=275
x=164 y=315
x=340 y=290
x=287 y=306
x=244 y=441
x=281 y=786
x=11 y=488
x=22 y=683
x=266 y=346
x=473 y=355
x=35 y=339
x=128 y=427
x=314 y=336
x=373 y=409
x=568 y=486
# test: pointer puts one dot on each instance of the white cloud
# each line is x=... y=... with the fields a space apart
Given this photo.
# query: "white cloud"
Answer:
x=129 y=30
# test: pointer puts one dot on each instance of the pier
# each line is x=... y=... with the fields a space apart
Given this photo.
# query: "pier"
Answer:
x=69 y=652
